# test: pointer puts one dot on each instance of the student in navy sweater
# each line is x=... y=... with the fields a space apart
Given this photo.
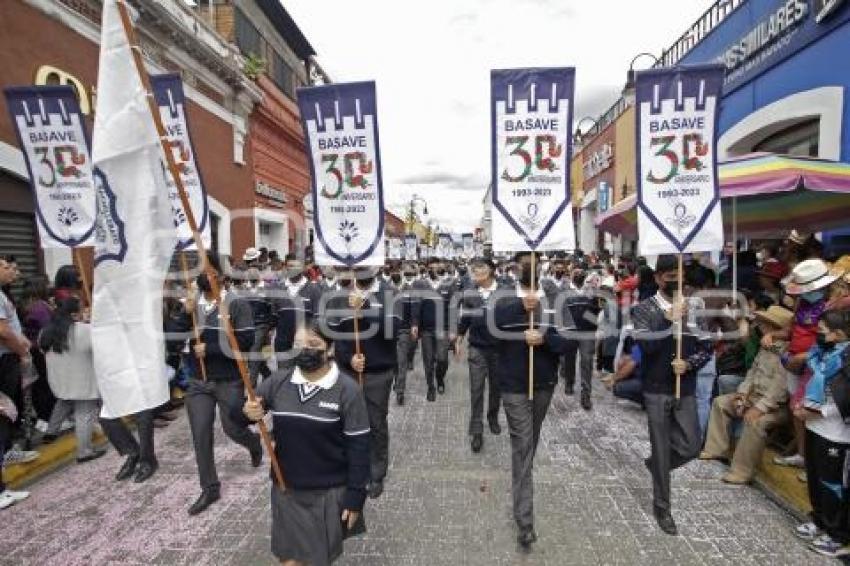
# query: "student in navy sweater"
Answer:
x=525 y=416
x=321 y=431
x=476 y=304
x=296 y=302
x=431 y=324
x=370 y=300
x=222 y=384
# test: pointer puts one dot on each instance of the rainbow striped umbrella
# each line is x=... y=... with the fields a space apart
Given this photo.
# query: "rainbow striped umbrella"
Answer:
x=773 y=194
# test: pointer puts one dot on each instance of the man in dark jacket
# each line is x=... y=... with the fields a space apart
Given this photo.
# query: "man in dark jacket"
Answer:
x=584 y=309
x=673 y=426
x=370 y=354
x=216 y=380
x=435 y=294
x=406 y=307
x=296 y=302
x=475 y=306
x=525 y=416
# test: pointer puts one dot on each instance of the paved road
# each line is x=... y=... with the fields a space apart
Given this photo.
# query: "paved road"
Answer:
x=442 y=505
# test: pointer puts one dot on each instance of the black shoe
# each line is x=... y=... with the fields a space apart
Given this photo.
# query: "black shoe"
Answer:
x=410 y=366
x=399 y=398
x=477 y=442
x=145 y=472
x=93 y=456
x=128 y=468
x=257 y=456
x=569 y=389
x=526 y=538
x=375 y=489
x=441 y=388
x=666 y=523
x=432 y=394
x=586 y=403
x=494 y=426
x=49 y=438
x=207 y=498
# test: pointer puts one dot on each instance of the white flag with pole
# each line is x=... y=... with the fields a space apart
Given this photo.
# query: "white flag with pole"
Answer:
x=127 y=338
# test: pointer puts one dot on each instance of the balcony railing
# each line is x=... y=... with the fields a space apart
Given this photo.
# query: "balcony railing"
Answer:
x=704 y=25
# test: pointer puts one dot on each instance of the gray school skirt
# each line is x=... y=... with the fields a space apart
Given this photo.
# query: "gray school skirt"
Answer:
x=307 y=525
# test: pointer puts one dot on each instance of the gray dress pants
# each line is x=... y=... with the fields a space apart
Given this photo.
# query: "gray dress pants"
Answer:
x=525 y=418
x=435 y=356
x=403 y=346
x=674 y=439
x=482 y=372
x=85 y=415
x=201 y=400
x=376 y=389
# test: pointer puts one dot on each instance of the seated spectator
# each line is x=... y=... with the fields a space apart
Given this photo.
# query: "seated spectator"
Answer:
x=759 y=402
x=627 y=381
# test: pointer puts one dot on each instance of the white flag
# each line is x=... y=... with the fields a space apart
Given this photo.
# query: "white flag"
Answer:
x=127 y=334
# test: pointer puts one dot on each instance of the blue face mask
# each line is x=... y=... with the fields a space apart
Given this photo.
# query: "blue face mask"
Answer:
x=812 y=296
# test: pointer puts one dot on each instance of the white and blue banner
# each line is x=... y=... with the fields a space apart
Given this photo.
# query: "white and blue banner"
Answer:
x=168 y=90
x=531 y=121
x=445 y=246
x=394 y=248
x=341 y=127
x=678 y=192
x=411 y=247
x=468 y=245
x=53 y=139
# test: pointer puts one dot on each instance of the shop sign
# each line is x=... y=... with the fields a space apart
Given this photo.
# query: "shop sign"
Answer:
x=599 y=161
x=266 y=190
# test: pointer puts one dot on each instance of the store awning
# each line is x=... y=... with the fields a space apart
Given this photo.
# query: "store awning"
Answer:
x=773 y=193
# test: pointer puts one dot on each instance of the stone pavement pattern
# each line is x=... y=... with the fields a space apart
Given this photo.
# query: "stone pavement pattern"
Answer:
x=442 y=504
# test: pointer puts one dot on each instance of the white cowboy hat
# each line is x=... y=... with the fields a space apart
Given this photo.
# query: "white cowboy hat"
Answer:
x=251 y=254
x=809 y=275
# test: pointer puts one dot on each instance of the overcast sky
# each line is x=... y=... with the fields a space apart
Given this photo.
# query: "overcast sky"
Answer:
x=431 y=62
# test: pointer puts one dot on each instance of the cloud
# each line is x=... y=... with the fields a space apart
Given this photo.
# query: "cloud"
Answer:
x=461 y=182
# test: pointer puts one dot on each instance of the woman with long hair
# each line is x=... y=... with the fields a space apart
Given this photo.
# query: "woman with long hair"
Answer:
x=35 y=313
x=66 y=343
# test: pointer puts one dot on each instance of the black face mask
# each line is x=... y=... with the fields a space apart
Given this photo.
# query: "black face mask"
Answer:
x=432 y=274
x=823 y=342
x=441 y=272
x=461 y=271
x=345 y=283
x=559 y=275
x=409 y=275
x=525 y=276
x=204 y=283
x=395 y=277
x=310 y=359
x=366 y=283
x=670 y=288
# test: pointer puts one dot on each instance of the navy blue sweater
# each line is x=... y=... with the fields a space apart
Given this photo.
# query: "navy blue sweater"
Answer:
x=434 y=305
x=474 y=313
x=377 y=326
x=292 y=311
x=512 y=318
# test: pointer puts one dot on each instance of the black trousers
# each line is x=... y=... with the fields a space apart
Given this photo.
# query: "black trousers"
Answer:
x=435 y=356
x=376 y=389
x=825 y=469
x=674 y=439
x=201 y=400
x=10 y=384
x=125 y=443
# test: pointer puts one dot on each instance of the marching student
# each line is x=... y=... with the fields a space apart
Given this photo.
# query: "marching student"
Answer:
x=674 y=434
x=406 y=307
x=321 y=431
x=432 y=324
x=525 y=416
x=369 y=354
x=254 y=291
x=475 y=304
x=296 y=303
x=222 y=386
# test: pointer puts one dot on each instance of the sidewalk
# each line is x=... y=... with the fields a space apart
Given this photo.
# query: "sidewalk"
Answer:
x=51 y=457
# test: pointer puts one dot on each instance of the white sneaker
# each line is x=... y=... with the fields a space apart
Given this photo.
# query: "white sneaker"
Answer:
x=807 y=531
x=9 y=497
x=795 y=461
x=16 y=456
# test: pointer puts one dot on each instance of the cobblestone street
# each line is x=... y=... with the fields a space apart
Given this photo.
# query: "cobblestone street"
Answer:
x=442 y=504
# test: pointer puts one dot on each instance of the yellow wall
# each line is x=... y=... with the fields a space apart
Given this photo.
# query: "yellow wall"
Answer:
x=577 y=179
x=624 y=154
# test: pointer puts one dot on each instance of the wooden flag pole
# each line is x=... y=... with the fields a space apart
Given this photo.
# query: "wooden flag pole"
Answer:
x=531 y=327
x=78 y=263
x=193 y=225
x=357 y=334
x=193 y=314
x=679 y=324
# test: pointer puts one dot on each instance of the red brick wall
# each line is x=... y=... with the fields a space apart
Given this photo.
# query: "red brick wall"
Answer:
x=29 y=39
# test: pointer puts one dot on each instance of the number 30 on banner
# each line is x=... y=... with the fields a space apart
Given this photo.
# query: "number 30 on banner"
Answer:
x=350 y=178
x=693 y=148
x=542 y=163
x=59 y=164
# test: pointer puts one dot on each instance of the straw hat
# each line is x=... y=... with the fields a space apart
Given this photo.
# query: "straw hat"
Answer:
x=809 y=275
x=251 y=254
x=779 y=317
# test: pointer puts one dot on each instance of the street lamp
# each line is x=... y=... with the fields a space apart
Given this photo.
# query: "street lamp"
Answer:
x=629 y=89
x=577 y=137
x=411 y=210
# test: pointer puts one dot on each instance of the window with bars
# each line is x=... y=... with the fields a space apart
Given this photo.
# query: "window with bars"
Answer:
x=247 y=37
